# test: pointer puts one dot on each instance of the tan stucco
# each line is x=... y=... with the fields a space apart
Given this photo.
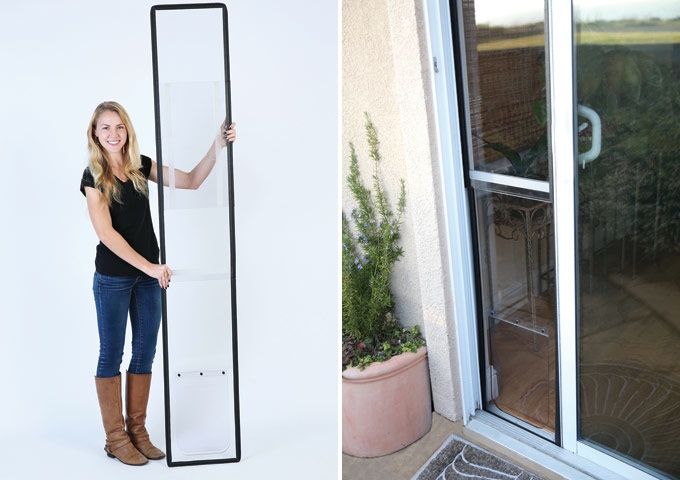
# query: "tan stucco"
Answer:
x=386 y=72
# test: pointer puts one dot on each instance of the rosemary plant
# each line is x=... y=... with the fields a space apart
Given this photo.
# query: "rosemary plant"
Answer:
x=369 y=330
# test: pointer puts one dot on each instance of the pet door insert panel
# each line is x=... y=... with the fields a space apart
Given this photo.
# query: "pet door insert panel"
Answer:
x=192 y=102
x=509 y=163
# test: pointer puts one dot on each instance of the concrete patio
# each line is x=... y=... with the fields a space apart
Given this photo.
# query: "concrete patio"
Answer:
x=402 y=465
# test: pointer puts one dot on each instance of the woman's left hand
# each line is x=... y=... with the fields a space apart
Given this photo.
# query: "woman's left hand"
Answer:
x=227 y=134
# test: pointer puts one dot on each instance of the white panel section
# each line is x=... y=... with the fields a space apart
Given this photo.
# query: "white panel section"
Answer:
x=199 y=351
x=197 y=239
x=510 y=181
x=561 y=101
x=459 y=238
x=199 y=326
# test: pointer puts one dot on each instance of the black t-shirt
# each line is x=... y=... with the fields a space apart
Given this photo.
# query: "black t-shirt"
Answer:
x=132 y=219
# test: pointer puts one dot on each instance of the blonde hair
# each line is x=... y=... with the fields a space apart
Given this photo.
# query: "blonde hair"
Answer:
x=104 y=179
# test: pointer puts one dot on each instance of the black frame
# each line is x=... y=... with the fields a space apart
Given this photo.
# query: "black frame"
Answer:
x=232 y=241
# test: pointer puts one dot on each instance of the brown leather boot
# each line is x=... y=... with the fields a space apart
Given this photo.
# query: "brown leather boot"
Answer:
x=136 y=399
x=118 y=444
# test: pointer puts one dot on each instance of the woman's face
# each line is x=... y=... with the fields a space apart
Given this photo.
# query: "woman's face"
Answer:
x=111 y=132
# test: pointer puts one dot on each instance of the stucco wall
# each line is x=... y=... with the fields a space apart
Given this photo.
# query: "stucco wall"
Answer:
x=386 y=72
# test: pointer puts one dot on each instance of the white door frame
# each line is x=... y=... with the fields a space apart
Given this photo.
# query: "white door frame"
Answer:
x=559 y=42
x=457 y=218
x=559 y=46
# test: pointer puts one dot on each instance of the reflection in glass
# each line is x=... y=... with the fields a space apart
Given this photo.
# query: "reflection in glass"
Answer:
x=505 y=60
x=517 y=270
x=628 y=71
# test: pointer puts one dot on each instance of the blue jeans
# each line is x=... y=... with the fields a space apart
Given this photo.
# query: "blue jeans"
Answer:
x=114 y=297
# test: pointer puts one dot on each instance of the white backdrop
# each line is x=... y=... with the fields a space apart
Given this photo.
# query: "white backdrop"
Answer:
x=57 y=61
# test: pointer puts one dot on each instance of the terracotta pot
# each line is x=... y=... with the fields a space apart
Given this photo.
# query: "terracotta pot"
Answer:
x=387 y=406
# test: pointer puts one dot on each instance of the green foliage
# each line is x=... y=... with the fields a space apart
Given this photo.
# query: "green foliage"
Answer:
x=533 y=162
x=367 y=262
x=398 y=340
x=631 y=190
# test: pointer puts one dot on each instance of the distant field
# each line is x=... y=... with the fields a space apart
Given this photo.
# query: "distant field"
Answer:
x=506 y=44
x=590 y=38
x=630 y=38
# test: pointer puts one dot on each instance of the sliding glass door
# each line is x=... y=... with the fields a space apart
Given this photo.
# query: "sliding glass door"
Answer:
x=628 y=74
x=571 y=129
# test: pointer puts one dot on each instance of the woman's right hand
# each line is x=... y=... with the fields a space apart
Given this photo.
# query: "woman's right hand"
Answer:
x=162 y=273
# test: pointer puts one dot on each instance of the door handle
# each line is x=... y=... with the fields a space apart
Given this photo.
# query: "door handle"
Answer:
x=596 y=126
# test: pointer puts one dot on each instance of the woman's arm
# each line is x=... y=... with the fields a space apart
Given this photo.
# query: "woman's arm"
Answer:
x=101 y=221
x=195 y=178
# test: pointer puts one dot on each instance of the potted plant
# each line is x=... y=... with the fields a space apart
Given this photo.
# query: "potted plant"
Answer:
x=386 y=400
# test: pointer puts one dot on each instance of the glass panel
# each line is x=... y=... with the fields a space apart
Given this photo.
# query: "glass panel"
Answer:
x=191 y=114
x=628 y=92
x=505 y=60
x=517 y=270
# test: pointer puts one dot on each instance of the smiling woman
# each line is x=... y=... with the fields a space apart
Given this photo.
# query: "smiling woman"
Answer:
x=128 y=276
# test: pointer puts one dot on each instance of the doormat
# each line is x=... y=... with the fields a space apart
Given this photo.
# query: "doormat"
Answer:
x=458 y=459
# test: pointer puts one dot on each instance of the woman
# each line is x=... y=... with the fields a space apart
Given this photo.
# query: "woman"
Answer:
x=128 y=276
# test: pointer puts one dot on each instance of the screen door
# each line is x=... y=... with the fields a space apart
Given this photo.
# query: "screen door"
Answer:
x=192 y=100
